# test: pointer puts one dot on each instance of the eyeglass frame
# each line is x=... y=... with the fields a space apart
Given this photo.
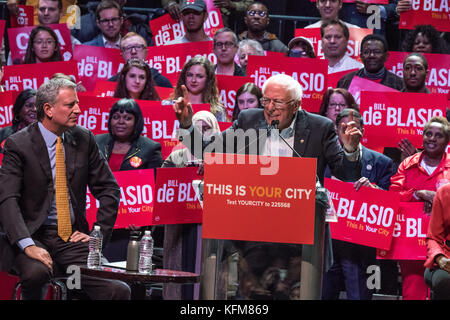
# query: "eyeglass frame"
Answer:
x=261 y=14
x=48 y=42
x=226 y=45
x=105 y=22
x=266 y=101
x=137 y=47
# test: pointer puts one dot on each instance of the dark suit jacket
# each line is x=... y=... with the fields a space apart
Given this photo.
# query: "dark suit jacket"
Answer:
x=390 y=80
x=26 y=185
x=376 y=167
x=148 y=150
x=97 y=41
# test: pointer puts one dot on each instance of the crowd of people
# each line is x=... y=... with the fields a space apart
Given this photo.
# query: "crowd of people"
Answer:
x=29 y=213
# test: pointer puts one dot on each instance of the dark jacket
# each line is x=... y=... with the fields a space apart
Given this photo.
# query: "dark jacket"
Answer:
x=160 y=80
x=269 y=42
x=144 y=148
x=389 y=80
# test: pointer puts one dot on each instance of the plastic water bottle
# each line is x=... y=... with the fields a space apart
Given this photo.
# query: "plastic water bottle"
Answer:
x=146 y=253
x=94 y=260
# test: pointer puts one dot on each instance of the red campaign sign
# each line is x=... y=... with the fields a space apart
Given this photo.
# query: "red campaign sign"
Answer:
x=366 y=1
x=6 y=105
x=365 y=217
x=438 y=80
x=408 y=242
x=434 y=12
x=2 y=31
x=104 y=88
x=176 y=200
x=333 y=78
x=243 y=201
x=136 y=199
x=169 y=60
x=392 y=116
x=224 y=125
x=228 y=85
x=96 y=63
x=18 y=41
x=166 y=29
x=359 y=84
x=24 y=76
x=354 y=42
x=160 y=123
x=312 y=75
x=25 y=17
x=164 y=92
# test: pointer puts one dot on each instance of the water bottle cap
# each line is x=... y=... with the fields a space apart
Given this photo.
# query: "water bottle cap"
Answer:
x=148 y=232
x=97 y=227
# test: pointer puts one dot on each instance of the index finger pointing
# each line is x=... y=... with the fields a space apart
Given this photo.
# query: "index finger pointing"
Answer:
x=350 y=115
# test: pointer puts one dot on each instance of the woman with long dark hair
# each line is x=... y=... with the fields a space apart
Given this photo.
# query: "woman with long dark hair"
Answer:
x=43 y=46
x=247 y=97
x=425 y=39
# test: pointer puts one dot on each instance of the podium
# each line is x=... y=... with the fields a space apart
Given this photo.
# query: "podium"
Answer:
x=247 y=256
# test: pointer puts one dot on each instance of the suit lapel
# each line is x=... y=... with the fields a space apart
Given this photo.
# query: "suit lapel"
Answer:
x=38 y=145
x=301 y=134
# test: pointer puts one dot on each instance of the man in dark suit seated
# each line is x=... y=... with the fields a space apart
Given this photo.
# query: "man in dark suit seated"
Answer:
x=310 y=135
x=374 y=54
x=45 y=172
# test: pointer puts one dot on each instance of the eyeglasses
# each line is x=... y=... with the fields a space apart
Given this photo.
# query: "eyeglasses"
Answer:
x=137 y=47
x=227 y=45
x=107 y=21
x=337 y=105
x=376 y=52
x=40 y=42
x=278 y=104
x=252 y=13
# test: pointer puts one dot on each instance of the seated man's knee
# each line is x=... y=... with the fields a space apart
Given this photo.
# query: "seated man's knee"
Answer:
x=36 y=274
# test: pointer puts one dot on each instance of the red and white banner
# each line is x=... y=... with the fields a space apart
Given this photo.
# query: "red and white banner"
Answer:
x=242 y=203
x=169 y=60
x=166 y=29
x=6 y=105
x=366 y=1
x=176 y=200
x=96 y=63
x=354 y=42
x=312 y=75
x=438 y=80
x=408 y=242
x=434 y=12
x=18 y=41
x=136 y=199
x=359 y=84
x=2 y=31
x=392 y=116
x=24 y=76
x=365 y=217
x=333 y=78
x=25 y=18
x=228 y=85
x=160 y=123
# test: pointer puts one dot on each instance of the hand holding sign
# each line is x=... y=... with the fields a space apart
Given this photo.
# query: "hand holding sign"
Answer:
x=174 y=11
x=352 y=135
x=183 y=109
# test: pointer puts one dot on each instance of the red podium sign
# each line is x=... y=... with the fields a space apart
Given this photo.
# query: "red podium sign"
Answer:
x=240 y=203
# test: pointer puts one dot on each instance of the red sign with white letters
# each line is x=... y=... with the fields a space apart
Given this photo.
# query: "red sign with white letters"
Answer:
x=392 y=116
x=2 y=31
x=6 y=105
x=312 y=74
x=137 y=189
x=434 y=12
x=25 y=17
x=18 y=41
x=438 y=79
x=408 y=242
x=228 y=85
x=24 y=76
x=176 y=200
x=353 y=46
x=365 y=216
x=166 y=29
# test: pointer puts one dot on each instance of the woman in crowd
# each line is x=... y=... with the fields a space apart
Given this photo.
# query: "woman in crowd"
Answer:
x=24 y=113
x=425 y=39
x=126 y=149
x=336 y=100
x=300 y=47
x=43 y=46
x=136 y=82
x=437 y=272
x=248 y=47
x=417 y=179
x=180 y=240
x=199 y=79
x=247 y=97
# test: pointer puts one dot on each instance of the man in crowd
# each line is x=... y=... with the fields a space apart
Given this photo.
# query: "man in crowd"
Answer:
x=45 y=172
x=133 y=46
x=232 y=10
x=109 y=16
x=329 y=10
x=225 y=48
x=374 y=54
x=415 y=72
x=193 y=15
x=335 y=37
x=257 y=20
